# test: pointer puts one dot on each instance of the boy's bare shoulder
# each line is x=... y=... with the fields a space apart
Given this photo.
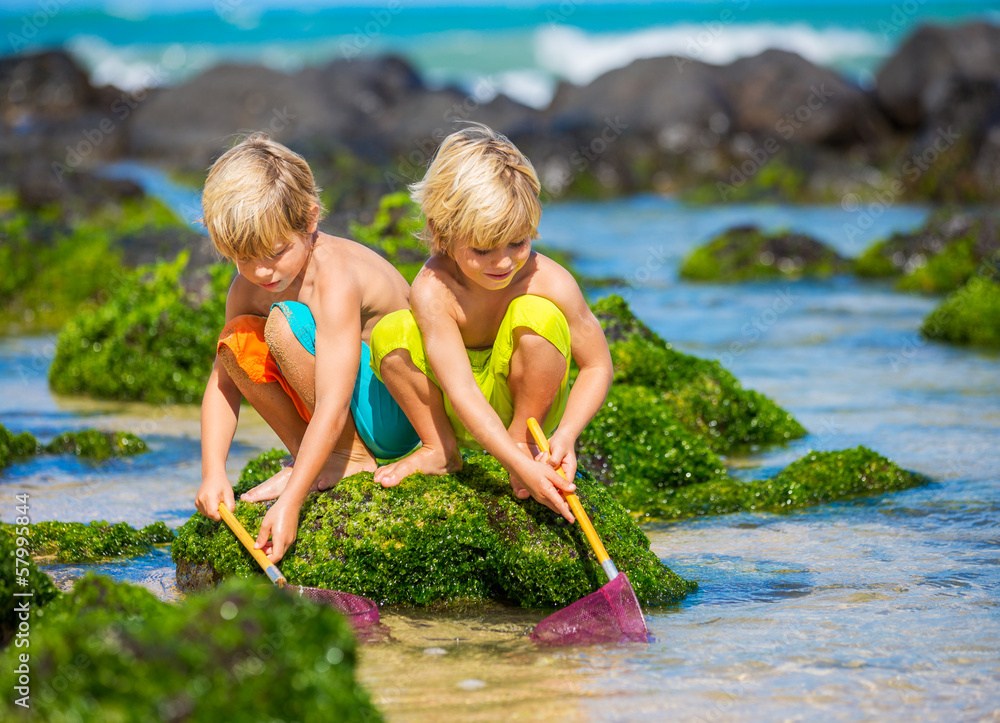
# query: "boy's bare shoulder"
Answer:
x=341 y=268
x=339 y=262
x=433 y=285
x=551 y=280
x=245 y=297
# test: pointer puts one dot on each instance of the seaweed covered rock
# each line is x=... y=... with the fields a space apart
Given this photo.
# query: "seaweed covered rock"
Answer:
x=19 y=573
x=61 y=259
x=89 y=443
x=245 y=651
x=152 y=341
x=15 y=445
x=814 y=479
x=746 y=253
x=431 y=540
x=638 y=446
x=969 y=316
x=80 y=542
x=948 y=250
x=95 y=444
x=706 y=400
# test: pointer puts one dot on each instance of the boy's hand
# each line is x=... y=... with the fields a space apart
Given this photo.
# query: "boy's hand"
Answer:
x=213 y=490
x=562 y=453
x=544 y=484
x=281 y=524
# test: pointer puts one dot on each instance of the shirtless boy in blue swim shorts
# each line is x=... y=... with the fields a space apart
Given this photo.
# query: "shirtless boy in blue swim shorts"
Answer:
x=299 y=316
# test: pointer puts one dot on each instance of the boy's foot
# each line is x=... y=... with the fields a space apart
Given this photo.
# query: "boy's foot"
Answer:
x=269 y=488
x=426 y=460
x=340 y=464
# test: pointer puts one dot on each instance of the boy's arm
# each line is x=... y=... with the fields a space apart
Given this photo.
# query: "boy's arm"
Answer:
x=590 y=352
x=429 y=300
x=338 y=354
x=220 y=412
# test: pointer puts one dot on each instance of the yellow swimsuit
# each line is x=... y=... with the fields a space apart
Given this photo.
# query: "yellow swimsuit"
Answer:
x=398 y=330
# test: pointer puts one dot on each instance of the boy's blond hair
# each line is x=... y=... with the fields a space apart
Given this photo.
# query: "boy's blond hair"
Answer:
x=257 y=194
x=480 y=190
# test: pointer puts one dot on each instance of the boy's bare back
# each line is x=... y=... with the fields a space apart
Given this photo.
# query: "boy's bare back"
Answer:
x=337 y=268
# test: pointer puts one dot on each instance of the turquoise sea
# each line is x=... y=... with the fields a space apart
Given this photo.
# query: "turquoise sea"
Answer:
x=523 y=48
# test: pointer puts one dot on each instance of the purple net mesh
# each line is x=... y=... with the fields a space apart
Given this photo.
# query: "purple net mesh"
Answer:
x=610 y=615
x=360 y=612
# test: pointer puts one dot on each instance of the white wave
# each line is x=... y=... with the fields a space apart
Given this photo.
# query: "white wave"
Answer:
x=530 y=87
x=580 y=57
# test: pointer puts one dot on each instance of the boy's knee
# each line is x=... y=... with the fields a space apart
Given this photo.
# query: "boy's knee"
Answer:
x=229 y=361
x=277 y=333
x=529 y=343
x=396 y=363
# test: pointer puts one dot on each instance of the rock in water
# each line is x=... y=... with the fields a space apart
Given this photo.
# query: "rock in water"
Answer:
x=431 y=539
x=745 y=253
x=111 y=651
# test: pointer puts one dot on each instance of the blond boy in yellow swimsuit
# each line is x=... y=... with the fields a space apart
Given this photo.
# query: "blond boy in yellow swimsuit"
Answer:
x=491 y=327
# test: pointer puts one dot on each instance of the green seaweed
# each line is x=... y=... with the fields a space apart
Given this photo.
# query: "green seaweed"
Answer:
x=97 y=445
x=952 y=247
x=89 y=542
x=969 y=316
x=59 y=260
x=458 y=537
x=19 y=576
x=90 y=443
x=814 y=479
x=12 y=445
x=152 y=341
x=706 y=399
x=113 y=652
x=746 y=253
x=636 y=444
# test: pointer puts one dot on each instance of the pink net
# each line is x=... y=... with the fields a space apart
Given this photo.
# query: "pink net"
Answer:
x=360 y=612
x=610 y=615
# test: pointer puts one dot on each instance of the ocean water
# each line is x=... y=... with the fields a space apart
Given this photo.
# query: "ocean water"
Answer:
x=521 y=49
x=878 y=609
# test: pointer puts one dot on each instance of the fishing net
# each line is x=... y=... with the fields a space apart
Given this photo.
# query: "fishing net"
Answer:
x=610 y=615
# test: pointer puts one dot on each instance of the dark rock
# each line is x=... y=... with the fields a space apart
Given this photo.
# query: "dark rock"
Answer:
x=37 y=185
x=908 y=85
x=192 y=123
x=781 y=95
x=43 y=86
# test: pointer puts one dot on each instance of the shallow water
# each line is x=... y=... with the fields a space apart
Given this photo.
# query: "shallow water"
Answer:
x=878 y=609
